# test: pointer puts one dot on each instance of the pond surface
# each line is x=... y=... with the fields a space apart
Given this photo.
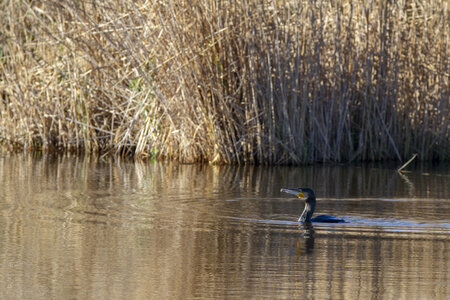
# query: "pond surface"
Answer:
x=92 y=228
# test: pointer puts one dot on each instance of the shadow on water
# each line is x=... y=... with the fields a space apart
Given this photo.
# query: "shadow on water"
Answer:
x=74 y=227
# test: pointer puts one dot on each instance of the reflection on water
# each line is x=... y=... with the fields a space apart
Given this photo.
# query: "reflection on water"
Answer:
x=74 y=227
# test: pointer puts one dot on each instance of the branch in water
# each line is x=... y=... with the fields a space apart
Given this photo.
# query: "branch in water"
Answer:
x=407 y=163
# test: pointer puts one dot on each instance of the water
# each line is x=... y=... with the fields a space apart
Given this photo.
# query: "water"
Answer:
x=87 y=228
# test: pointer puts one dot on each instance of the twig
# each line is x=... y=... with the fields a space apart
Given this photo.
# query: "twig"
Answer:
x=407 y=163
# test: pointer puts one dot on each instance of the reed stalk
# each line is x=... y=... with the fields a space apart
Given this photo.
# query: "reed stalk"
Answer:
x=282 y=82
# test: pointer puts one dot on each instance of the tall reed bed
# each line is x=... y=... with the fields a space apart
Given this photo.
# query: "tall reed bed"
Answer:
x=227 y=81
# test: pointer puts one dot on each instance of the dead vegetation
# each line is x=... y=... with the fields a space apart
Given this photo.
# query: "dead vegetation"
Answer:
x=227 y=81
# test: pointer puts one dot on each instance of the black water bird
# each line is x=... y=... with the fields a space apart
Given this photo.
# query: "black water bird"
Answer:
x=310 y=205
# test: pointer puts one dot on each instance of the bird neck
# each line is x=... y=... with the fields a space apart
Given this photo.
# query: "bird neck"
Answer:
x=310 y=205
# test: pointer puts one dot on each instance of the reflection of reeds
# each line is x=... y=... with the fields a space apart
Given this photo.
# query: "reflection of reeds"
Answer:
x=227 y=82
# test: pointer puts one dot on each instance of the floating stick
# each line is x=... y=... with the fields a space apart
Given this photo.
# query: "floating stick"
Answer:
x=407 y=163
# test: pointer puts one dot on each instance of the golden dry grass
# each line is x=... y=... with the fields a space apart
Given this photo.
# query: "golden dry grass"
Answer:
x=227 y=81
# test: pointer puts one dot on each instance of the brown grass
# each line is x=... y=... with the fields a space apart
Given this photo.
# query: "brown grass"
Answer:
x=227 y=81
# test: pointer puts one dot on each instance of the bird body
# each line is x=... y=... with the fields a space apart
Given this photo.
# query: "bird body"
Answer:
x=310 y=205
x=327 y=219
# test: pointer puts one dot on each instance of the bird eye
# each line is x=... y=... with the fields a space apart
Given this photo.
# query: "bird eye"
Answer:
x=300 y=195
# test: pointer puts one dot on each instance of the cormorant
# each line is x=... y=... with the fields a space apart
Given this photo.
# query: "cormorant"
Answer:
x=310 y=205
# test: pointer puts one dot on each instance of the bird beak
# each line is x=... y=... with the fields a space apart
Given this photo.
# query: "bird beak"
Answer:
x=293 y=192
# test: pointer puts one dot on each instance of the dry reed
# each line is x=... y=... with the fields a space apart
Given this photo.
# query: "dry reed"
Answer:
x=227 y=81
